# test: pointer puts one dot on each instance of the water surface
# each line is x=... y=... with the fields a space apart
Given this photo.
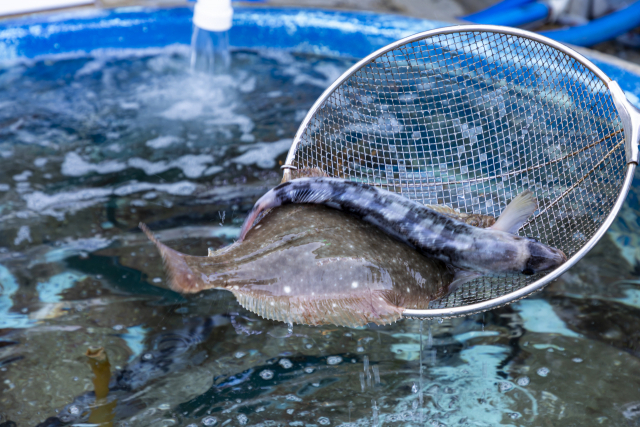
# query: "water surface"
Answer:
x=90 y=146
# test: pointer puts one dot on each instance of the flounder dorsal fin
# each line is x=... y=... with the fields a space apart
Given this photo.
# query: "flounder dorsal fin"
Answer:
x=516 y=213
x=290 y=174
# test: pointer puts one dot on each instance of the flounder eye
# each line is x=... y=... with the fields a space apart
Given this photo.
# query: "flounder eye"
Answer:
x=528 y=272
x=473 y=222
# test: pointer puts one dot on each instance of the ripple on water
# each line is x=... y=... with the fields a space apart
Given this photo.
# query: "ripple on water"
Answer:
x=138 y=138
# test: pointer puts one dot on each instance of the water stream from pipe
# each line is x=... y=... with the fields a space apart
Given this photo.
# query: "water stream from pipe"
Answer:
x=209 y=51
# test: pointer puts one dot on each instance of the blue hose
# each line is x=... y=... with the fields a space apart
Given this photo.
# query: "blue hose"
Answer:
x=515 y=17
x=496 y=8
x=601 y=29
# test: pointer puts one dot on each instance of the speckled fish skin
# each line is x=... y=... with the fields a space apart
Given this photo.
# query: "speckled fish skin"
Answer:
x=314 y=265
x=468 y=248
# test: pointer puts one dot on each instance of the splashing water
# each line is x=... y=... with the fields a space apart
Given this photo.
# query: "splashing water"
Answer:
x=210 y=51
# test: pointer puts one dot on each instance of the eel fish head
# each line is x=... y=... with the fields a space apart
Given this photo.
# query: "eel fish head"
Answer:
x=309 y=264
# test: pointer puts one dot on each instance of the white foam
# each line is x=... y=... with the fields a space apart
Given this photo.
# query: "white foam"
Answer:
x=263 y=154
x=192 y=165
x=59 y=204
x=183 y=110
x=22 y=176
x=163 y=141
x=40 y=161
x=90 y=67
x=65 y=202
x=180 y=188
x=74 y=165
x=24 y=234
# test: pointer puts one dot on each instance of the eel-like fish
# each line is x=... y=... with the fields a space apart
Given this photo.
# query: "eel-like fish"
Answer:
x=472 y=251
x=314 y=265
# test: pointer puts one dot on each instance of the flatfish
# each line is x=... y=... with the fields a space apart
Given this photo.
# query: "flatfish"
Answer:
x=309 y=264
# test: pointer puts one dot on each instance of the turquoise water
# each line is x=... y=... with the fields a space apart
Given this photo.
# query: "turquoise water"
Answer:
x=90 y=146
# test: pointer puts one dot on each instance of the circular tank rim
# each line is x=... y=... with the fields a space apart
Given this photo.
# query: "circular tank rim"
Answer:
x=315 y=31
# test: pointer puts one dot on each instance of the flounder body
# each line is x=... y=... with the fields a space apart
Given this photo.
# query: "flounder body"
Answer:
x=314 y=265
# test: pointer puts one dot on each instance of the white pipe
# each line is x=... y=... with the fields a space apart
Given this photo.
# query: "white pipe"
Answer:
x=213 y=15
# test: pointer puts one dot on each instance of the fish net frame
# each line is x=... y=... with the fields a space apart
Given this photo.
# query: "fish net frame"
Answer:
x=470 y=116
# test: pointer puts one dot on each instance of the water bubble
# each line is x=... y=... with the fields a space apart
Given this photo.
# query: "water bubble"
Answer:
x=577 y=360
x=242 y=419
x=505 y=386
x=290 y=411
x=543 y=372
x=523 y=381
x=360 y=349
x=266 y=374
x=285 y=363
x=164 y=406
x=414 y=388
x=147 y=356
x=293 y=398
x=309 y=370
x=168 y=422
x=324 y=421
x=192 y=425
x=440 y=320
x=514 y=415
x=118 y=327
x=315 y=384
x=209 y=421
x=73 y=409
x=290 y=328
x=308 y=345
x=239 y=354
x=333 y=360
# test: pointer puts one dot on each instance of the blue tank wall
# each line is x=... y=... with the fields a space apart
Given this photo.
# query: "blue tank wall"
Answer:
x=352 y=34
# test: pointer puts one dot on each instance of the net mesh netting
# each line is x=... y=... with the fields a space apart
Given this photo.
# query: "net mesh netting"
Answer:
x=470 y=120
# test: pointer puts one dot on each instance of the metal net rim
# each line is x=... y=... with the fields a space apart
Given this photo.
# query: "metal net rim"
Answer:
x=525 y=291
x=505 y=299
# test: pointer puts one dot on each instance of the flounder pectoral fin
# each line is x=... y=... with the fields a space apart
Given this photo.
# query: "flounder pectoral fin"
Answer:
x=516 y=213
x=182 y=278
x=461 y=277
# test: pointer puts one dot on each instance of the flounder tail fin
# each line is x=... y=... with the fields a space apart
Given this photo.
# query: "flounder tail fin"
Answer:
x=516 y=213
x=182 y=278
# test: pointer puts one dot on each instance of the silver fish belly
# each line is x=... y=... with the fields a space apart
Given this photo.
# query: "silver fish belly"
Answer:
x=489 y=251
